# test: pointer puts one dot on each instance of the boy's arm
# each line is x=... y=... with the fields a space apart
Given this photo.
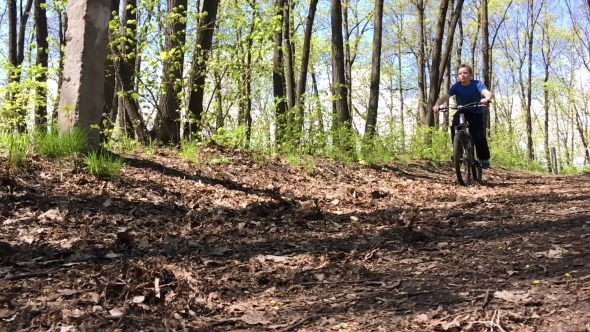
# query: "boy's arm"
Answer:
x=487 y=96
x=441 y=101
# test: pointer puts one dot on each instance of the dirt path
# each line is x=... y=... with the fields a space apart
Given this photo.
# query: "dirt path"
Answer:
x=238 y=245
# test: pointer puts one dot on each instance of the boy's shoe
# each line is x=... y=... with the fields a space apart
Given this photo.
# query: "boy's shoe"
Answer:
x=485 y=164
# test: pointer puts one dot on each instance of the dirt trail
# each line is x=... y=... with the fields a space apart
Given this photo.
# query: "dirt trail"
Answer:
x=232 y=244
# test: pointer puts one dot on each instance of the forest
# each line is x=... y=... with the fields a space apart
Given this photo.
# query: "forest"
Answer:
x=345 y=79
x=277 y=166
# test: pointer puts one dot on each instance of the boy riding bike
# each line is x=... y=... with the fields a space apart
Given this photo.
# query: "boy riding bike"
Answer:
x=466 y=91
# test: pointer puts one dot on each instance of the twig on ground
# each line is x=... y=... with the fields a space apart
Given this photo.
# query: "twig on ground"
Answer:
x=487 y=299
x=299 y=323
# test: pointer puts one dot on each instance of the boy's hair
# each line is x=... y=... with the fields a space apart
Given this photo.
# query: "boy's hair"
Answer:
x=465 y=66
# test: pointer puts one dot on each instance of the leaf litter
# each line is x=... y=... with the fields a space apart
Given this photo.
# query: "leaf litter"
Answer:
x=249 y=245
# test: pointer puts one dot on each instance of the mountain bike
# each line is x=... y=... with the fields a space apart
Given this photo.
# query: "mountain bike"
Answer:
x=467 y=166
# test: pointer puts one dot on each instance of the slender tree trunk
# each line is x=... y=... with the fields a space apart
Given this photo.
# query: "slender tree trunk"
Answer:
x=199 y=68
x=371 y=121
x=440 y=55
x=422 y=111
x=306 y=51
x=63 y=26
x=288 y=47
x=132 y=118
x=167 y=123
x=110 y=81
x=486 y=50
x=278 y=81
x=219 y=117
x=41 y=62
x=532 y=22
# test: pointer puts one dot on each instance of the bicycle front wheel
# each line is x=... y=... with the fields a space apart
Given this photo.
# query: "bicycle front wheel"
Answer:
x=461 y=158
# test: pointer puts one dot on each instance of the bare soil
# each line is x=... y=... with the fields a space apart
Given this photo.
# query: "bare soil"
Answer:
x=239 y=242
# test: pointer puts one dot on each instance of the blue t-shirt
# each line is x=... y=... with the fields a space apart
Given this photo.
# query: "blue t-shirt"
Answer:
x=468 y=94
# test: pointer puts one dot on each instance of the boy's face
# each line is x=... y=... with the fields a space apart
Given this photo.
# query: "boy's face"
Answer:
x=464 y=75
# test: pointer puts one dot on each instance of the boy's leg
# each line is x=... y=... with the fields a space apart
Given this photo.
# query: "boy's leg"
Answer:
x=480 y=140
x=453 y=125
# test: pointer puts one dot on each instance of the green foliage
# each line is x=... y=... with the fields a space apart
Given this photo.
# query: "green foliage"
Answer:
x=428 y=143
x=123 y=144
x=220 y=160
x=104 y=165
x=56 y=145
x=15 y=148
x=505 y=152
x=189 y=150
x=230 y=137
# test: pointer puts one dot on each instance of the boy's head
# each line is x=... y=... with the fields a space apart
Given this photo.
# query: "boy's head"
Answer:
x=466 y=66
x=464 y=74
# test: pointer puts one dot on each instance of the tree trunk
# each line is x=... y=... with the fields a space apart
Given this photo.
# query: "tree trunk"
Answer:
x=422 y=111
x=111 y=103
x=41 y=62
x=485 y=37
x=167 y=122
x=278 y=81
x=132 y=118
x=63 y=26
x=288 y=47
x=440 y=56
x=532 y=21
x=371 y=121
x=305 y=54
x=81 y=99
x=199 y=69
x=339 y=87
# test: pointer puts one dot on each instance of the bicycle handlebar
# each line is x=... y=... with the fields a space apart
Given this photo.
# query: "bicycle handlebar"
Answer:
x=442 y=108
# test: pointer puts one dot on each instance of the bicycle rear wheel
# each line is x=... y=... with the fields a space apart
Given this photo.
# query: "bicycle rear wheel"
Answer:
x=461 y=158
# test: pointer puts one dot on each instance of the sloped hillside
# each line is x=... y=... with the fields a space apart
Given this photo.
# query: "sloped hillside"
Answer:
x=240 y=242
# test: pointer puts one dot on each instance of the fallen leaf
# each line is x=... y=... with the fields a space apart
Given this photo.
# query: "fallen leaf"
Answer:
x=255 y=318
x=517 y=297
x=117 y=312
x=138 y=299
x=5 y=313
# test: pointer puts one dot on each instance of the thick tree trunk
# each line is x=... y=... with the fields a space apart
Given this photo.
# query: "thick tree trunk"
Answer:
x=81 y=100
x=339 y=86
x=198 y=71
x=371 y=121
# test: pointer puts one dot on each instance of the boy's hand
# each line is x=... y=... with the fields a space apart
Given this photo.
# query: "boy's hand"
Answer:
x=484 y=101
x=436 y=108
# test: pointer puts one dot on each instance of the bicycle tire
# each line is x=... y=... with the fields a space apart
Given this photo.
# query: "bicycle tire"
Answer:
x=461 y=158
x=477 y=172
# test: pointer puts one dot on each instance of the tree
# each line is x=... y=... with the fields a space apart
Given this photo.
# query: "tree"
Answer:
x=81 y=99
x=167 y=122
x=440 y=56
x=278 y=79
x=198 y=71
x=339 y=87
x=41 y=62
x=305 y=55
x=127 y=58
x=375 y=73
